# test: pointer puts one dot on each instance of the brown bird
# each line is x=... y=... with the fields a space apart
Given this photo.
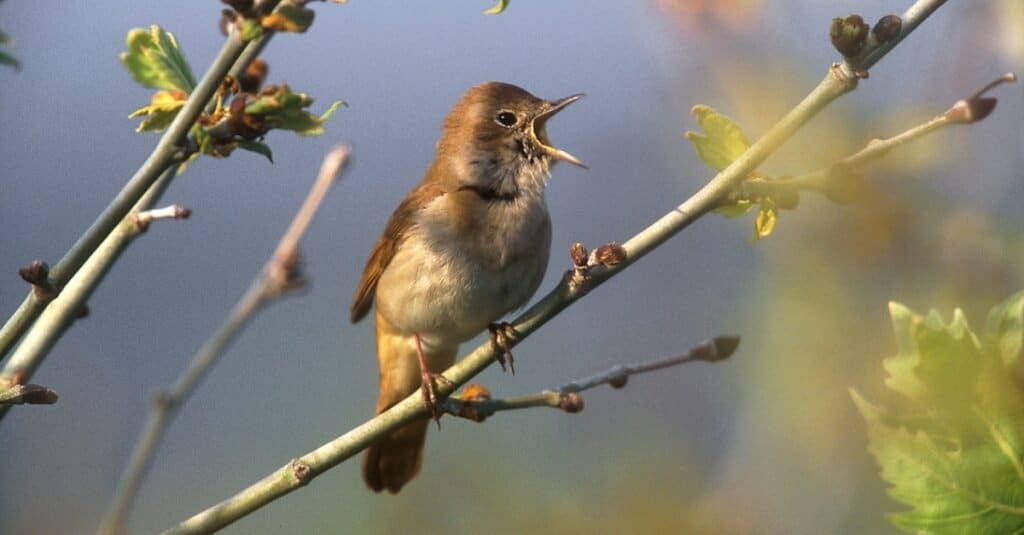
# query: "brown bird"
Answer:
x=468 y=245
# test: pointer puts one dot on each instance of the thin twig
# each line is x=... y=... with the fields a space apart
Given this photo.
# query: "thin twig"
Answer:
x=299 y=472
x=278 y=277
x=965 y=111
x=68 y=306
x=475 y=405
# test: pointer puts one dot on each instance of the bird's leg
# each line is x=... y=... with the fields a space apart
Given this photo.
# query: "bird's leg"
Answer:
x=430 y=379
x=502 y=337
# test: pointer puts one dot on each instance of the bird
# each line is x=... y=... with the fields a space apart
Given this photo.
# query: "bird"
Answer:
x=467 y=245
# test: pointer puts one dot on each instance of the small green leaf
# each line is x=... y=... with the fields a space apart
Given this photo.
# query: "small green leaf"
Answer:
x=765 y=221
x=154 y=59
x=5 y=58
x=722 y=141
x=497 y=8
x=251 y=30
x=161 y=110
x=901 y=366
x=284 y=109
x=1004 y=329
x=257 y=147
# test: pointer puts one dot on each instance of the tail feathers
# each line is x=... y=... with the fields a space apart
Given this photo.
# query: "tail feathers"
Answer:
x=392 y=462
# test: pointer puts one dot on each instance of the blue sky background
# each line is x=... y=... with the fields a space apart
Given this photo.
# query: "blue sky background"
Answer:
x=768 y=442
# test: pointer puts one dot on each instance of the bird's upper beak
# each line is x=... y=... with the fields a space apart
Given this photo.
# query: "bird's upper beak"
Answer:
x=540 y=121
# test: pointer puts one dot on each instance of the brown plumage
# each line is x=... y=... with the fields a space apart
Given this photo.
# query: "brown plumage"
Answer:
x=469 y=244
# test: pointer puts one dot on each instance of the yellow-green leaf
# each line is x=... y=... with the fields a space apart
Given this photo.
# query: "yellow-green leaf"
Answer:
x=764 y=224
x=722 y=141
x=257 y=147
x=154 y=59
x=497 y=8
x=161 y=110
x=284 y=109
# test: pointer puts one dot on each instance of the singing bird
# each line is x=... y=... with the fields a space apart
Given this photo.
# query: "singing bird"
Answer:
x=466 y=246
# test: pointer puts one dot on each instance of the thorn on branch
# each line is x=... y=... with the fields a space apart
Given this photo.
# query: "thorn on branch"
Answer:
x=977 y=107
x=28 y=395
x=38 y=275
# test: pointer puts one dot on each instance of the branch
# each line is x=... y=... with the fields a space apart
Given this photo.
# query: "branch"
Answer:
x=831 y=180
x=839 y=80
x=70 y=304
x=475 y=402
x=279 y=276
x=170 y=150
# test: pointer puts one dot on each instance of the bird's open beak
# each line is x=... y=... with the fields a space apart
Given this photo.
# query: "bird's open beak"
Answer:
x=541 y=133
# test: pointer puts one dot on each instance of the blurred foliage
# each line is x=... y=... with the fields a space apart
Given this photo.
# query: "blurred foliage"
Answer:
x=954 y=449
x=696 y=17
x=5 y=58
x=497 y=8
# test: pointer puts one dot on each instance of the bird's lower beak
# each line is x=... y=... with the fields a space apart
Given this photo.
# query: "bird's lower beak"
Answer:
x=541 y=133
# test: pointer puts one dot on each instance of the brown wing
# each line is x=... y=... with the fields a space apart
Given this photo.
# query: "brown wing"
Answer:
x=388 y=244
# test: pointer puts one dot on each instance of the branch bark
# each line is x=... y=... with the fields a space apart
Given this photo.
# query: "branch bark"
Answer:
x=279 y=276
x=839 y=80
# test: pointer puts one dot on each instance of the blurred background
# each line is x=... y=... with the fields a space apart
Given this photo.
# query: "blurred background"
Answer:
x=767 y=442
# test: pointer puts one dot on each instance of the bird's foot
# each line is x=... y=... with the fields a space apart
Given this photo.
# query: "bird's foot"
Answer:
x=431 y=381
x=503 y=335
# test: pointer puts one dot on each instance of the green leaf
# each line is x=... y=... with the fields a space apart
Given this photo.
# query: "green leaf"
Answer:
x=722 y=141
x=5 y=58
x=161 y=110
x=257 y=147
x=1004 y=329
x=497 y=8
x=954 y=452
x=975 y=490
x=251 y=30
x=284 y=109
x=154 y=59
x=766 y=218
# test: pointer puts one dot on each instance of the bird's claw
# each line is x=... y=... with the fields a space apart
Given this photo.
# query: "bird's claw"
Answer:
x=502 y=337
x=430 y=396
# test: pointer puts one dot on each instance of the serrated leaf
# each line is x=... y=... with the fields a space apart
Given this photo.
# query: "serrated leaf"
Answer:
x=257 y=147
x=289 y=18
x=975 y=490
x=902 y=365
x=160 y=112
x=722 y=141
x=1004 y=329
x=154 y=59
x=497 y=8
x=764 y=223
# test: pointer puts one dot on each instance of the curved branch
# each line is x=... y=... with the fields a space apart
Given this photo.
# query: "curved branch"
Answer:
x=838 y=81
x=279 y=276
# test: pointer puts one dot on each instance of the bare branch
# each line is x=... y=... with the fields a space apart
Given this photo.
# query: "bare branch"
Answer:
x=839 y=80
x=830 y=180
x=279 y=276
x=475 y=402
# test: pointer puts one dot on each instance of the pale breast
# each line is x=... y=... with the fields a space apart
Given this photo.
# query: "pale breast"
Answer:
x=450 y=280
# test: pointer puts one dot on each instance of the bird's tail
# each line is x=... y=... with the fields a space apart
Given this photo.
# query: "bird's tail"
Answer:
x=393 y=461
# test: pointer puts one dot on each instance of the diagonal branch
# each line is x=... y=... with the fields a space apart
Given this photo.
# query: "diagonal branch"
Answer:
x=278 y=277
x=233 y=57
x=830 y=180
x=839 y=80
x=476 y=404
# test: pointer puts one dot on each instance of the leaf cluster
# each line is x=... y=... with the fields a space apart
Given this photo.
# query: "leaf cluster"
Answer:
x=242 y=113
x=722 y=142
x=953 y=447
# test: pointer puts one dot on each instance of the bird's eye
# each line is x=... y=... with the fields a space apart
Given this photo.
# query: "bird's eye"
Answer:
x=506 y=119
